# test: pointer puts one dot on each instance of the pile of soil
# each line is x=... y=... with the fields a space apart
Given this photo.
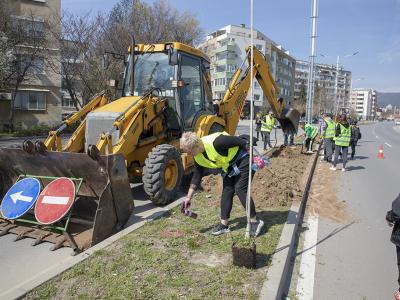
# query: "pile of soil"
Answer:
x=276 y=185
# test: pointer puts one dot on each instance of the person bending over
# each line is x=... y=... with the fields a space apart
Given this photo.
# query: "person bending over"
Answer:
x=229 y=154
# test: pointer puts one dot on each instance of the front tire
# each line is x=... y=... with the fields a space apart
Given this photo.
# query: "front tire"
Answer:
x=162 y=174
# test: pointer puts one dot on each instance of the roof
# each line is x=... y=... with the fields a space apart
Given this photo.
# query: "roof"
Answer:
x=178 y=46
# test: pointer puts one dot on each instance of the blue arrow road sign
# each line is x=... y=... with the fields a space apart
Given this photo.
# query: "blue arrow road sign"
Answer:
x=20 y=198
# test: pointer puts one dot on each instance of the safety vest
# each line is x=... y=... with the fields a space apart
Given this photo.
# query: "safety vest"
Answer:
x=214 y=160
x=330 y=129
x=311 y=130
x=343 y=139
x=269 y=124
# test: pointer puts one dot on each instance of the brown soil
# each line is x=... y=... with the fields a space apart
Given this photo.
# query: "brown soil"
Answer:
x=212 y=260
x=323 y=200
x=276 y=185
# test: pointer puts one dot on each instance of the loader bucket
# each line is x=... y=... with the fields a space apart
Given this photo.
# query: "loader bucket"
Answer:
x=102 y=205
x=290 y=120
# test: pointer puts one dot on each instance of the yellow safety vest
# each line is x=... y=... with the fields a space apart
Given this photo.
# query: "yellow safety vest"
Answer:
x=330 y=129
x=343 y=139
x=311 y=131
x=214 y=160
x=269 y=124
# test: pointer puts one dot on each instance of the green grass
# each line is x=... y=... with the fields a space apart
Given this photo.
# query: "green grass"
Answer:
x=167 y=259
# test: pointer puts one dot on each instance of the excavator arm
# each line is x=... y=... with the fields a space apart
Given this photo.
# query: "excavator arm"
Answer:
x=75 y=143
x=232 y=105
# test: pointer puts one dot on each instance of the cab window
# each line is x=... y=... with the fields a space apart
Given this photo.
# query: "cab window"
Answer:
x=191 y=94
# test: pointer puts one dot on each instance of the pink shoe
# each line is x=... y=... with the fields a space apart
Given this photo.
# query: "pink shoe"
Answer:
x=397 y=295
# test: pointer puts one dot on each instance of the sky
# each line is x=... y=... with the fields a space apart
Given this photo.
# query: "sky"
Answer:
x=369 y=27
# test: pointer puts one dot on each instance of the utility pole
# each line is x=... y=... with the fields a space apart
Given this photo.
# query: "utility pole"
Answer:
x=336 y=86
x=310 y=84
x=248 y=196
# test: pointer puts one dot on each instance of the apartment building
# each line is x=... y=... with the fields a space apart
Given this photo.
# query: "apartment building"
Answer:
x=325 y=81
x=38 y=99
x=226 y=49
x=365 y=103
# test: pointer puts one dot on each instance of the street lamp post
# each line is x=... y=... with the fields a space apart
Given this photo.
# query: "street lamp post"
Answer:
x=337 y=79
x=310 y=83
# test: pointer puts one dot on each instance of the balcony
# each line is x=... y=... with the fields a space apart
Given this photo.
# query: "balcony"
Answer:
x=228 y=47
x=219 y=88
x=225 y=61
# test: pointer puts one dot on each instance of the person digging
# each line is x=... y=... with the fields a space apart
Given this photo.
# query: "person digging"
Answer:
x=230 y=154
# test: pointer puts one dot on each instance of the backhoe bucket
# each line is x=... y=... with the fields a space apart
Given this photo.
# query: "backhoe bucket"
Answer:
x=102 y=205
x=290 y=120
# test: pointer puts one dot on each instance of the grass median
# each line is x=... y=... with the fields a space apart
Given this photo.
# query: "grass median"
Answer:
x=176 y=257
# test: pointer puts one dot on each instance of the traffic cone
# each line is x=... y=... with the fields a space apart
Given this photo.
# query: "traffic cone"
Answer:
x=380 y=152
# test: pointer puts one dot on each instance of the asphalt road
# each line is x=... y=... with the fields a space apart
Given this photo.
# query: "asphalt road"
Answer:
x=357 y=260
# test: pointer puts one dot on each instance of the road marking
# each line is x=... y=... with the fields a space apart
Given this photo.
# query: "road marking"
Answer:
x=305 y=283
x=18 y=197
x=55 y=200
x=388 y=145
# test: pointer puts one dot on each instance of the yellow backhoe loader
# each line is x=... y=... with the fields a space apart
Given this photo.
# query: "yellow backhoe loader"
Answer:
x=166 y=91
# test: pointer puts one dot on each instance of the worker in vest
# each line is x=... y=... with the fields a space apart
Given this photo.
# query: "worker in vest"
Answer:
x=266 y=128
x=229 y=154
x=310 y=132
x=342 y=141
x=328 y=135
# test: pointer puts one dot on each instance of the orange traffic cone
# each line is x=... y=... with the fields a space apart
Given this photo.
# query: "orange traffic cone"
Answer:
x=380 y=152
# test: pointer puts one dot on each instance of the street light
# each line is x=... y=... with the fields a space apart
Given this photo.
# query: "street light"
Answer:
x=337 y=77
x=336 y=80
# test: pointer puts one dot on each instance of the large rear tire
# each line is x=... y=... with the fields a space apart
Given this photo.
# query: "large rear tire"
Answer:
x=162 y=174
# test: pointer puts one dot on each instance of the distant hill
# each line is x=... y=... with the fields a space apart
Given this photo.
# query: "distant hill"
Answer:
x=388 y=98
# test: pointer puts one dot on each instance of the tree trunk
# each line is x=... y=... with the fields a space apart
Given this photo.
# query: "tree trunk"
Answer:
x=11 y=115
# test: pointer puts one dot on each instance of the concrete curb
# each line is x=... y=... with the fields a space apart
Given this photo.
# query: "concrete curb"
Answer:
x=24 y=287
x=273 y=287
x=279 y=274
x=13 y=138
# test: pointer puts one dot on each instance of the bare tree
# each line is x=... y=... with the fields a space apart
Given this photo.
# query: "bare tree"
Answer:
x=86 y=38
x=76 y=37
x=156 y=23
x=300 y=103
x=6 y=60
x=26 y=43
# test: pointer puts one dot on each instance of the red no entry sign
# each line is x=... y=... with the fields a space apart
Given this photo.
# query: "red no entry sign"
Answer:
x=55 y=201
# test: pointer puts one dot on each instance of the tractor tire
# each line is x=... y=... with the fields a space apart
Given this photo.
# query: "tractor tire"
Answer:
x=162 y=174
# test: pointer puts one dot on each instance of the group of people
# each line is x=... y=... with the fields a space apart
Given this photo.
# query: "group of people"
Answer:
x=230 y=155
x=338 y=135
x=265 y=125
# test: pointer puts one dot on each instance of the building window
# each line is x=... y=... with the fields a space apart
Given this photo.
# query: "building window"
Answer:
x=259 y=47
x=256 y=97
x=35 y=66
x=67 y=102
x=29 y=27
x=30 y=100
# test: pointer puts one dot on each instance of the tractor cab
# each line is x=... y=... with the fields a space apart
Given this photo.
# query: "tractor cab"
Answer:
x=176 y=72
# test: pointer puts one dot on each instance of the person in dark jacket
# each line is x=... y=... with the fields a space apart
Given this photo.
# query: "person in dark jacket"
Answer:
x=229 y=153
x=355 y=136
x=393 y=219
x=342 y=141
x=258 y=125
